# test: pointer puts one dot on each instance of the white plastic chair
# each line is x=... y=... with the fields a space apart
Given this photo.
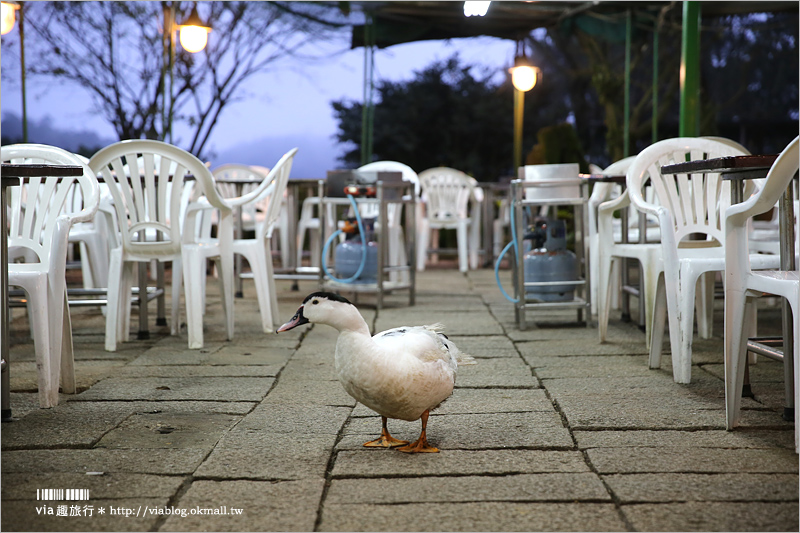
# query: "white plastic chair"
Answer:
x=257 y=251
x=397 y=252
x=39 y=224
x=743 y=285
x=647 y=253
x=603 y=192
x=144 y=201
x=688 y=205
x=447 y=193
x=282 y=244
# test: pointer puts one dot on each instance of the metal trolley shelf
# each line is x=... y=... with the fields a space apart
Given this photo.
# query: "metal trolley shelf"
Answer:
x=581 y=301
x=390 y=277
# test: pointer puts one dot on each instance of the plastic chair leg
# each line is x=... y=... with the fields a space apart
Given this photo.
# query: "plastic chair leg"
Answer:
x=422 y=246
x=682 y=354
x=463 y=247
x=658 y=323
x=114 y=300
x=735 y=354
x=705 y=304
x=67 y=358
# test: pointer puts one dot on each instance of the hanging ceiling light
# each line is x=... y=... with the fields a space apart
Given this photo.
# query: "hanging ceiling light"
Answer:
x=8 y=16
x=523 y=74
x=475 y=9
x=194 y=33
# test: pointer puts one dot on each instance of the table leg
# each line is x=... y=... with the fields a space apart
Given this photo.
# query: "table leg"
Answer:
x=239 y=235
x=144 y=330
x=788 y=262
x=6 y=380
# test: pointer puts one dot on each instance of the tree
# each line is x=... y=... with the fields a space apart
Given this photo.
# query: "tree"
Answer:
x=449 y=114
x=116 y=52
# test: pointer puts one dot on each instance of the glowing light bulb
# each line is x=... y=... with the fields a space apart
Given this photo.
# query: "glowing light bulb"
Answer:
x=475 y=9
x=523 y=78
x=8 y=16
x=193 y=38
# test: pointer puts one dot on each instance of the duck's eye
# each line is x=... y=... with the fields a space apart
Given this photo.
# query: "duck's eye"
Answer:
x=315 y=302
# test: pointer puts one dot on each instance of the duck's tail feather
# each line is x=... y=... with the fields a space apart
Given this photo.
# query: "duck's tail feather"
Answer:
x=464 y=359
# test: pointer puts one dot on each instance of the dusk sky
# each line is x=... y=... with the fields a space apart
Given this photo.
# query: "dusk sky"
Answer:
x=289 y=106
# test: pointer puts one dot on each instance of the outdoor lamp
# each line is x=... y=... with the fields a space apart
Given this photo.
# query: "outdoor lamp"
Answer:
x=9 y=16
x=476 y=9
x=523 y=74
x=194 y=33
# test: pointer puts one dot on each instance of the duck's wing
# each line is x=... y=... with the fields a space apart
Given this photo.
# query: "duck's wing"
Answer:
x=426 y=343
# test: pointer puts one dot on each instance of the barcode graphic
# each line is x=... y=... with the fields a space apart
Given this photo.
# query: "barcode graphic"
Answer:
x=62 y=494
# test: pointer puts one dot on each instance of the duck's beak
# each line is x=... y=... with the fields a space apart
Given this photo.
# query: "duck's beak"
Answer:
x=297 y=320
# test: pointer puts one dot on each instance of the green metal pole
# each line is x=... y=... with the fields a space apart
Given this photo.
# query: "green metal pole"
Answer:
x=22 y=67
x=654 y=120
x=689 y=125
x=367 y=110
x=626 y=131
x=519 y=113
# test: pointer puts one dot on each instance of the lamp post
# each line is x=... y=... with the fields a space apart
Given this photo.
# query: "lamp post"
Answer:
x=8 y=15
x=523 y=76
x=193 y=39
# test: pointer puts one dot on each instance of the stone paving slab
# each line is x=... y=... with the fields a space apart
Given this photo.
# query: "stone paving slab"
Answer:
x=242 y=389
x=485 y=346
x=476 y=401
x=651 y=488
x=687 y=439
x=225 y=355
x=147 y=461
x=109 y=486
x=701 y=460
x=500 y=372
x=266 y=506
x=21 y=516
x=197 y=371
x=82 y=424
x=474 y=516
x=168 y=430
x=576 y=345
x=296 y=419
x=521 y=487
x=87 y=372
x=470 y=431
x=713 y=516
x=262 y=455
x=294 y=389
x=366 y=463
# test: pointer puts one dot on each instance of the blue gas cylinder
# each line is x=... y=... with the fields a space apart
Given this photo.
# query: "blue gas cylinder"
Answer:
x=549 y=261
x=347 y=257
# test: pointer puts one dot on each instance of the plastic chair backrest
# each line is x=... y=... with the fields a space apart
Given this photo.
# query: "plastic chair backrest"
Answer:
x=278 y=178
x=447 y=192
x=143 y=199
x=778 y=178
x=252 y=211
x=695 y=202
x=36 y=206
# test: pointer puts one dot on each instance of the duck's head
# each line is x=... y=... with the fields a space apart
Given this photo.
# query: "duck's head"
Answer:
x=320 y=308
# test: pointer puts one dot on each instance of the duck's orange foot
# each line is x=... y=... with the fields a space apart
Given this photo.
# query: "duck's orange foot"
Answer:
x=420 y=446
x=385 y=441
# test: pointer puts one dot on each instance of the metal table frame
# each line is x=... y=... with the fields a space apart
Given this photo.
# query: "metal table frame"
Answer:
x=403 y=194
x=581 y=302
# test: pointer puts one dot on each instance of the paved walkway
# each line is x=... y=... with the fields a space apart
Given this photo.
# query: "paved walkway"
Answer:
x=551 y=431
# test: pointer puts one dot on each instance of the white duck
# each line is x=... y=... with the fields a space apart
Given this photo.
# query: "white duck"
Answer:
x=400 y=373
